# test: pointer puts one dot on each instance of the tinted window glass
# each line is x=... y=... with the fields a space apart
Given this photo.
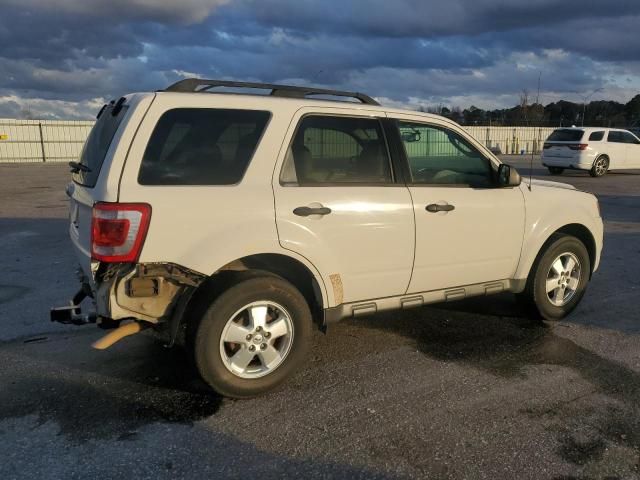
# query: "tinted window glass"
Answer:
x=440 y=156
x=628 y=138
x=201 y=146
x=97 y=145
x=329 y=150
x=596 y=136
x=566 y=135
x=614 y=136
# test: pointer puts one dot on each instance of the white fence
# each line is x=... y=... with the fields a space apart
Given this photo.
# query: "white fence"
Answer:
x=42 y=140
x=512 y=140
x=61 y=141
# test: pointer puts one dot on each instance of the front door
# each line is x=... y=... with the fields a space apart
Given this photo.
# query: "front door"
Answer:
x=338 y=204
x=632 y=153
x=467 y=230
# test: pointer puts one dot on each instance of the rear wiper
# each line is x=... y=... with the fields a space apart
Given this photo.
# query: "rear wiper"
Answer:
x=76 y=167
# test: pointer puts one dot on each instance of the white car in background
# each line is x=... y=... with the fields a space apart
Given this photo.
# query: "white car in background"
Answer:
x=597 y=150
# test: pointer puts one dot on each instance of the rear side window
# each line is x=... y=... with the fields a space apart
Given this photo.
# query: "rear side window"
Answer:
x=596 y=136
x=201 y=146
x=98 y=142
x=330 y=150
x=615 y=137
x=566 y=135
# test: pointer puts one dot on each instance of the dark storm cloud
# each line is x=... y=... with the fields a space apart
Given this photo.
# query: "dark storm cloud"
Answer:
x=419 y=18
x=78 y=50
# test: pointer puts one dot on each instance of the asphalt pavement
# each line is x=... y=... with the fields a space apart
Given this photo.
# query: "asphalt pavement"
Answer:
x=463 y=390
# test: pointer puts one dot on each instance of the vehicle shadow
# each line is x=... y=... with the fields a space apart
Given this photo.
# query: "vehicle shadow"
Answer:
x=493 y=338
x=100 y=394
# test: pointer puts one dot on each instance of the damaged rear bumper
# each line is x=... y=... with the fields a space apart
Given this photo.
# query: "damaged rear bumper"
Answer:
x=72 y=313
x=153 y=294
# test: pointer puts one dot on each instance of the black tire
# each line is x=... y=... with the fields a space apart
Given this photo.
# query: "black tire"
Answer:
x=600 y=166
x=205 y=341
x=555 y=170
x=535 y=295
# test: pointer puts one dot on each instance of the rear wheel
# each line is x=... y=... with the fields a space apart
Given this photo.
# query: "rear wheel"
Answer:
x=252 y=337
x=558 y=278
x=555 y=170
x=600 y=166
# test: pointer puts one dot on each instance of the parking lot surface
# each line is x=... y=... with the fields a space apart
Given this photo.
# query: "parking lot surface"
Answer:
x=464 y=390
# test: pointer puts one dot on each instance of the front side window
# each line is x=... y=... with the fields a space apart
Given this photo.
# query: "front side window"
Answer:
x=628 y=138
x=439 y=156
x=202 y=146
x=334 y=149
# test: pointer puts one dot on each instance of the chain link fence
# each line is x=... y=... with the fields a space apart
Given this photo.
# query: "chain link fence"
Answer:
x=24 y=141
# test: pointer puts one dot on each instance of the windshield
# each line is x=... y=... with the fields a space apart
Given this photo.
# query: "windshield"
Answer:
x=566 y=135
x=97 y=144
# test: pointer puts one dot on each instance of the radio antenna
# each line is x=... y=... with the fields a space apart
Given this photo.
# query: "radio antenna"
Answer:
x=530 y=168
x=524 y=100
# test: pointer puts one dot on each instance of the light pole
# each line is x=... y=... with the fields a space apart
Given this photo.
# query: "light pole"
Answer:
x=584 y=102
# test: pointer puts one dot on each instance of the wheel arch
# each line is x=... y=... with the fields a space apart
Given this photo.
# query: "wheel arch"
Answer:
x=291 y=269
x=301 y=276
x=583 y=234
x=577 y=230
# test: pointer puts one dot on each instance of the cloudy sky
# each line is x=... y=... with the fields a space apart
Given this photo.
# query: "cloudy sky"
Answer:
x=64 y=58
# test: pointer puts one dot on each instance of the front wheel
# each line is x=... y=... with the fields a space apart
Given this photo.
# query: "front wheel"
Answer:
x=555 y=170
x=252 y=337
x=558 y=278
x=600 y=166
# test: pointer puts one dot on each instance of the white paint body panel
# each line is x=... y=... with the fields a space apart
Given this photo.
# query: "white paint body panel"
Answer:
x=479 y=241
x=367 y=239
x=544 y=217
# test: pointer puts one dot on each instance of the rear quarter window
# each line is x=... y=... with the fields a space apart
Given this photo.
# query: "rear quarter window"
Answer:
x=566 y=135
x=202 y=146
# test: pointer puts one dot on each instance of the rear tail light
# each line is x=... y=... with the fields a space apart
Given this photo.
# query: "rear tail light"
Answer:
x=118 y=231
x=579 y=146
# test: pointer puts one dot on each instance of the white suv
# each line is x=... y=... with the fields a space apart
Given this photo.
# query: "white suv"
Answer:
x=595 y=149
x=235 y=222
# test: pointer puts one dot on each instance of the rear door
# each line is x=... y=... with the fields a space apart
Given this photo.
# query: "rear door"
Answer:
x=468 y=230
x=616 y=149
x=340 y=205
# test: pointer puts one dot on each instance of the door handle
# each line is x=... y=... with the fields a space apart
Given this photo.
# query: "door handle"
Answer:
x=435 y=208
x=306 y=211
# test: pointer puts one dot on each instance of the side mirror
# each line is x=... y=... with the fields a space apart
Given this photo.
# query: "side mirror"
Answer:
x=410 y=137
x=508 y=176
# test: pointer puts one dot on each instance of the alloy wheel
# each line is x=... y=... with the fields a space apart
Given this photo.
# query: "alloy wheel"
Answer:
x=256 y=339
x=563 y=279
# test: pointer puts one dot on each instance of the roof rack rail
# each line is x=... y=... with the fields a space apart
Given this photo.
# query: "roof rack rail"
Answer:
x=200 y=85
